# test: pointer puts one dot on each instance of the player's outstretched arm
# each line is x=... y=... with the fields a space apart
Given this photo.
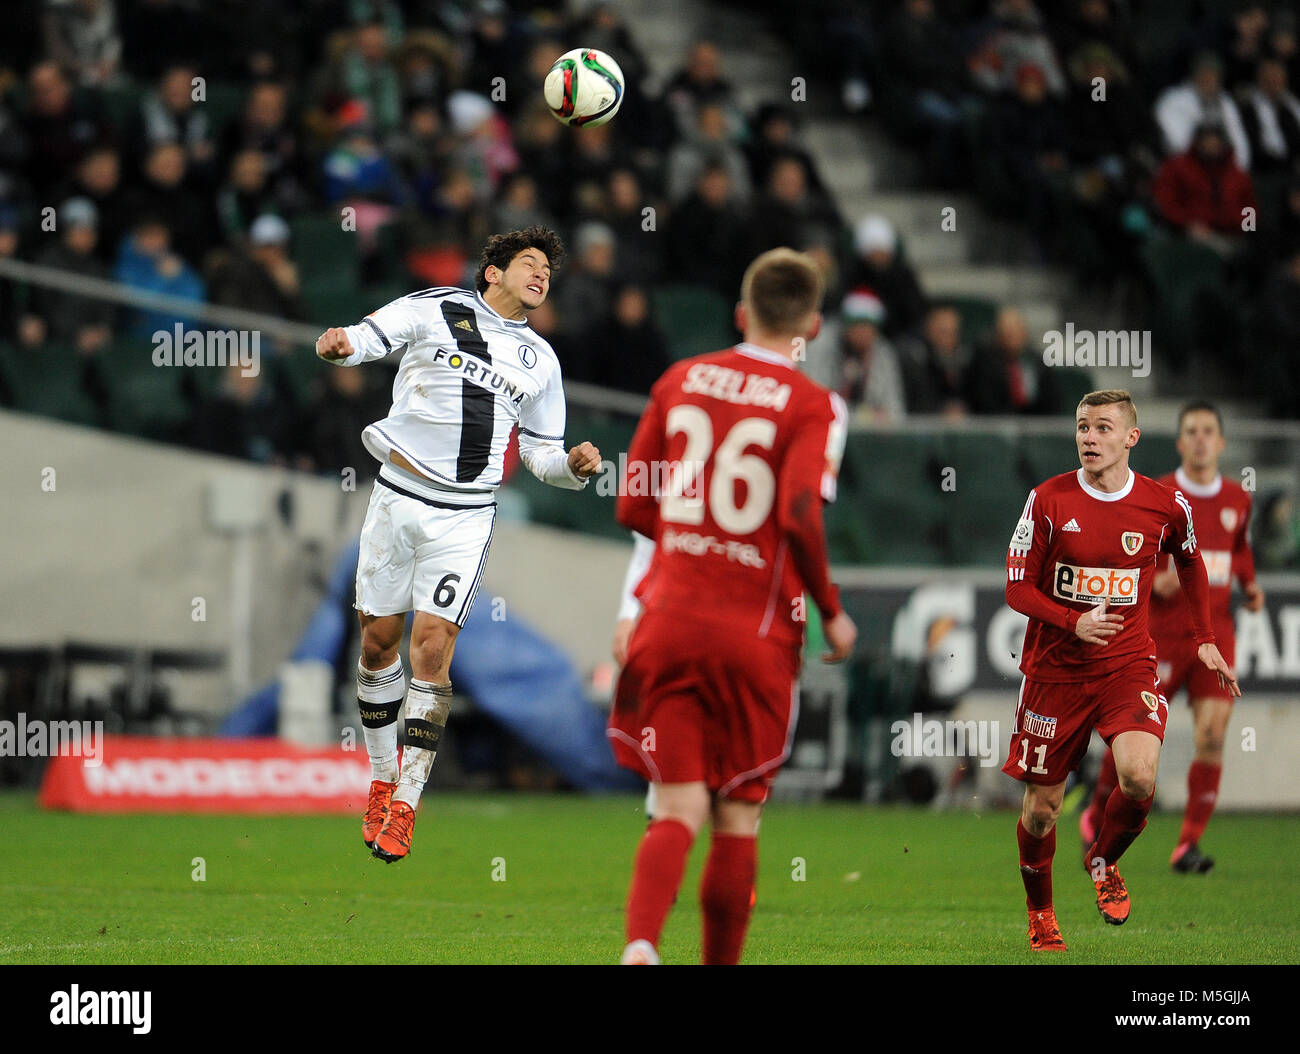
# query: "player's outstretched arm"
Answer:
x=393 y=327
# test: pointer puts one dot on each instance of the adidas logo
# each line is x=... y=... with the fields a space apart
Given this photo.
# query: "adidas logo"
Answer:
x=1073 y=525
x=464 y=323
x=1154 y=717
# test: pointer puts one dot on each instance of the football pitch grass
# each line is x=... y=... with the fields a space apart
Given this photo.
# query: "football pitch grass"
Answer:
x=541 y=879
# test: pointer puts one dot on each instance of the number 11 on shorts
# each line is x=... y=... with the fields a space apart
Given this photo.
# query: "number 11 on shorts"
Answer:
x=1040 y=751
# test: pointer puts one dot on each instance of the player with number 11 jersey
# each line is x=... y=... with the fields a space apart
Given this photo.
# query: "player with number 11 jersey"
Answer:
x=1080 y=565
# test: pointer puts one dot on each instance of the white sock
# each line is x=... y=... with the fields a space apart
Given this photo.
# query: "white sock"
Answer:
x=379 y=698
x=427 y=707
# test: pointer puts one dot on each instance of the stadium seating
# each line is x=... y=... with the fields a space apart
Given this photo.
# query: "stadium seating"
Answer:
x=1182 y=273
x=978 y=314
x=144 y=399
x=981 y=511
x=887 y=511
x=328 y=265
x=1040 y=457
x=1075 y=382
x=48 y=381
x=694 y=320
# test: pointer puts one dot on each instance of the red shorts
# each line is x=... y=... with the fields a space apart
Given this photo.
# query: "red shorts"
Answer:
x=1180 y=668
x=693 y=703
x=1054 y=721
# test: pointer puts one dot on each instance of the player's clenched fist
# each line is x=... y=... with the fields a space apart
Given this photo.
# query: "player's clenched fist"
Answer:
x=333 y=344
x=584 y=460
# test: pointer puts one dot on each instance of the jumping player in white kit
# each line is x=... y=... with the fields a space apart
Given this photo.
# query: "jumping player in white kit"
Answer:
x=471 y=370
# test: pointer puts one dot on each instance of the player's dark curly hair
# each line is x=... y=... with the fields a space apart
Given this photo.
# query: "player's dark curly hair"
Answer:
x=502 y=248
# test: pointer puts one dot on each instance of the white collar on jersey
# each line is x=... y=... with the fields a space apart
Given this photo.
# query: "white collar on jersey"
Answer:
x=767 y=355
x=497 y=314
x=1102 y=495
x=1198 y=490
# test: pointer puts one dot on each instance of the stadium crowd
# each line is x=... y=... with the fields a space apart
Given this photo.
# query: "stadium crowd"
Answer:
x=1151 y=145
x=197 y=149
x=185 y=148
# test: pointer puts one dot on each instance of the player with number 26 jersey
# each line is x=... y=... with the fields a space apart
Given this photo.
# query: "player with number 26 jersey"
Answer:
x=727 y=473
x=742 y=428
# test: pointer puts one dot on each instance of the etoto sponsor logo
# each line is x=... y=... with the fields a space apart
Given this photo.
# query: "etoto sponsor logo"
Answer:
x=1091 y=585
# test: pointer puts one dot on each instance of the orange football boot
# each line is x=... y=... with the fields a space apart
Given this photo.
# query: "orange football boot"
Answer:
x=372 y=823
x=1112 y=897
x=1044 y=933
x=394 y=841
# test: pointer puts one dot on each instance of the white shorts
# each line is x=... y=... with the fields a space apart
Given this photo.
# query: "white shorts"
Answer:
x=416 y=556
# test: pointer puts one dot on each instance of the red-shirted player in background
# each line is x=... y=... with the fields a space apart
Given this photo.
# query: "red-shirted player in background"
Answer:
x=706 y=703
x=1080 y=565
x=1222 y=511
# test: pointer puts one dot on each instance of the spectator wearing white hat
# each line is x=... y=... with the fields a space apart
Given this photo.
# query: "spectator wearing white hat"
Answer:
x=870 y=378
x=878 y=266
x=62 y=317
x=585 y=295
x=263 y=276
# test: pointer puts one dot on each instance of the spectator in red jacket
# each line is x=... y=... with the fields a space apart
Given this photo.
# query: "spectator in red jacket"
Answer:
x=1204 y=192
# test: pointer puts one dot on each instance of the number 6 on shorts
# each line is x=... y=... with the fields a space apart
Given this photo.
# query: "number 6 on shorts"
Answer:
x=445 y=594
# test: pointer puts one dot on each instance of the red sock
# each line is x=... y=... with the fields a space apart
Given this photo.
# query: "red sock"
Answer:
x=1036 y=866
x=1107 y=781
x=725 y=893
x=1121 y=824
x=1202 y=793
x=656 y=875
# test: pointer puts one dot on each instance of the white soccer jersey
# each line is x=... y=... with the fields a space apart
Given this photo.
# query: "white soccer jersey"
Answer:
x=468 y=376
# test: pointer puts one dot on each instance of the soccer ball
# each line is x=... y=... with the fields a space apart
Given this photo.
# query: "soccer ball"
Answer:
x=584 y=88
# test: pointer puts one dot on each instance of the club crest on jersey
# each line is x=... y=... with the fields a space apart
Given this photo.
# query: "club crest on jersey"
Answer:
x=1131 y=541
x=1228 y=517
x=527 y=356
x=1153 y=704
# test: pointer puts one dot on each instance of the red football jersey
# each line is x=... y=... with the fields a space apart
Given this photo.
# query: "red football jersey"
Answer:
x=727 y=472
x=1222 y=511
x=1075 y=546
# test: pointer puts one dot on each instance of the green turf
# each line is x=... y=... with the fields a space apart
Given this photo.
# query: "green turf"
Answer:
x=881 y=885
